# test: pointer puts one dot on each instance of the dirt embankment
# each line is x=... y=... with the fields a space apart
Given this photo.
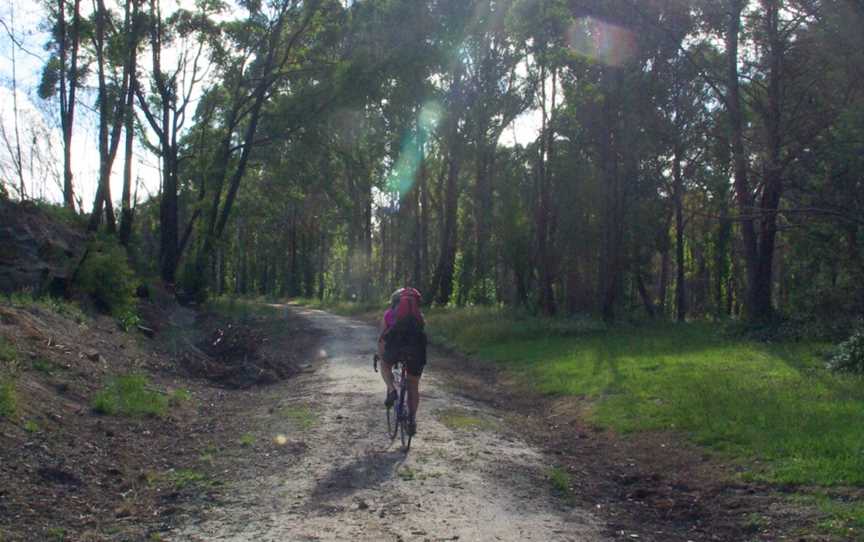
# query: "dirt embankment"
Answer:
x=71 y=473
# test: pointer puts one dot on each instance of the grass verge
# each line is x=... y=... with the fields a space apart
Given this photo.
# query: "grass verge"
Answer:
x=751 y=400
x=26 y=299
x=241 y=308
x=344 y=308
x=772 y=407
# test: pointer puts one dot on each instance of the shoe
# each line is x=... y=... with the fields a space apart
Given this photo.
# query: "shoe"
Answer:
x=412 y=427
x=391 y=398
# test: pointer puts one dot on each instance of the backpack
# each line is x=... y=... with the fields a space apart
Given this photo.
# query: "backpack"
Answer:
x=407 y=313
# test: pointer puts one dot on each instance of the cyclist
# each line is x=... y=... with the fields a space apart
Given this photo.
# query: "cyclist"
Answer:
x=402 y=339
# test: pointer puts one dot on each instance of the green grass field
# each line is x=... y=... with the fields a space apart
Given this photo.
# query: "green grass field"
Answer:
x=775 y=403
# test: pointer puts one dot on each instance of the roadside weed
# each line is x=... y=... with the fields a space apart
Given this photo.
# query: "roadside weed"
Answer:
x=31 y=426
x=247 y=440
x=463 y=419
x=8 y=353
x=406 y=473
x=185 y=477
x=26 y=299
x=44 y=366
x=129 y=395
x=302 y=417
x=179 y=396
x=560 y=480
x=8 y=403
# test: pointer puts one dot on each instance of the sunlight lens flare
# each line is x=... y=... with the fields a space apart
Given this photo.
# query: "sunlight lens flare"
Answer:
x=602 y=42
x=403 y=176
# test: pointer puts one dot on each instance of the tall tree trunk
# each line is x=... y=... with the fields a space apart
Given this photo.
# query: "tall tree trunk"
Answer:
x=741 y=184
x=721 y=264
x=544 y=208
x=665 y=262
x=680 y=279
x=447 y=254
x=126 y=216
x=773 y=170
x=68 y=88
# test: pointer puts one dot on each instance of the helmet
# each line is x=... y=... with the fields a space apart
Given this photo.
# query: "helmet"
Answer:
x=394 y=297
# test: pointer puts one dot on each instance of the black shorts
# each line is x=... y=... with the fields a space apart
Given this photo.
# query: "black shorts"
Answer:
x=408 y=349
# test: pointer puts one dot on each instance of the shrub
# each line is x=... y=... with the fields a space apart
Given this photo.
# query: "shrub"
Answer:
x=191 y=284
x=105 y=276
x=128 y=319
x=129 y=395
x=849 y=355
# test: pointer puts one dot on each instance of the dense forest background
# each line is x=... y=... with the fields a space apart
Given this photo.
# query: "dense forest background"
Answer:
x=693 y=158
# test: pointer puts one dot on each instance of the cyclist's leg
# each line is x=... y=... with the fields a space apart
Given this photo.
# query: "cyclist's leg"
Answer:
x=387 y=375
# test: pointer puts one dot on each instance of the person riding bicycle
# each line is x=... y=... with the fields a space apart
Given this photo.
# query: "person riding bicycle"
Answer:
x=402 y=339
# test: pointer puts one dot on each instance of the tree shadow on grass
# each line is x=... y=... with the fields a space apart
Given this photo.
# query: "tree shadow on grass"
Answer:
x=606 y=360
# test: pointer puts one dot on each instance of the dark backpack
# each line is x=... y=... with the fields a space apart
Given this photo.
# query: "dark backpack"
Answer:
x=407 y=315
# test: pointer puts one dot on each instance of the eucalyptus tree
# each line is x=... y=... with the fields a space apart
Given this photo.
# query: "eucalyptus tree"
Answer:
x=496 y=92
x=115 y=50
x=63 y=75
x=257 y=58
x=168 y=101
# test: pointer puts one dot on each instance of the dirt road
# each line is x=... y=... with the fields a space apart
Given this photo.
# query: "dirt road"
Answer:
x=465 y=477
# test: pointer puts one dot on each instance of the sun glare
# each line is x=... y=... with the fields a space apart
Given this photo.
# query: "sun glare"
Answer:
x=601 y=41
x=402 y=177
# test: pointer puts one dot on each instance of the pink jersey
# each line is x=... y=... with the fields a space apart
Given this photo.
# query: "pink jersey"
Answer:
x=389 y=318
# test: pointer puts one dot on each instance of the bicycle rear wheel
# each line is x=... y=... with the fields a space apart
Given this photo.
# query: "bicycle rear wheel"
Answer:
x=404 y=416
x=403 y=431
x=392 y=422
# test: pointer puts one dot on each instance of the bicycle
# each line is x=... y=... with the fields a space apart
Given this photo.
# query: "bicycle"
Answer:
x=398 y=416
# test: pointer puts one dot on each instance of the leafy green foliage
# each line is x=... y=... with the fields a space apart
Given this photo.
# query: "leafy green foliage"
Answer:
x=128 y=319
x=849 y=355
x=130 y=395
x=106 y=276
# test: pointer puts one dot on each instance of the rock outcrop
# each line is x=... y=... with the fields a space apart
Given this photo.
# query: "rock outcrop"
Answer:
x=37 y=251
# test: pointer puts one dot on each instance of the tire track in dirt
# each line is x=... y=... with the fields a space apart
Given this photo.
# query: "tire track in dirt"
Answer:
x=463 y=480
